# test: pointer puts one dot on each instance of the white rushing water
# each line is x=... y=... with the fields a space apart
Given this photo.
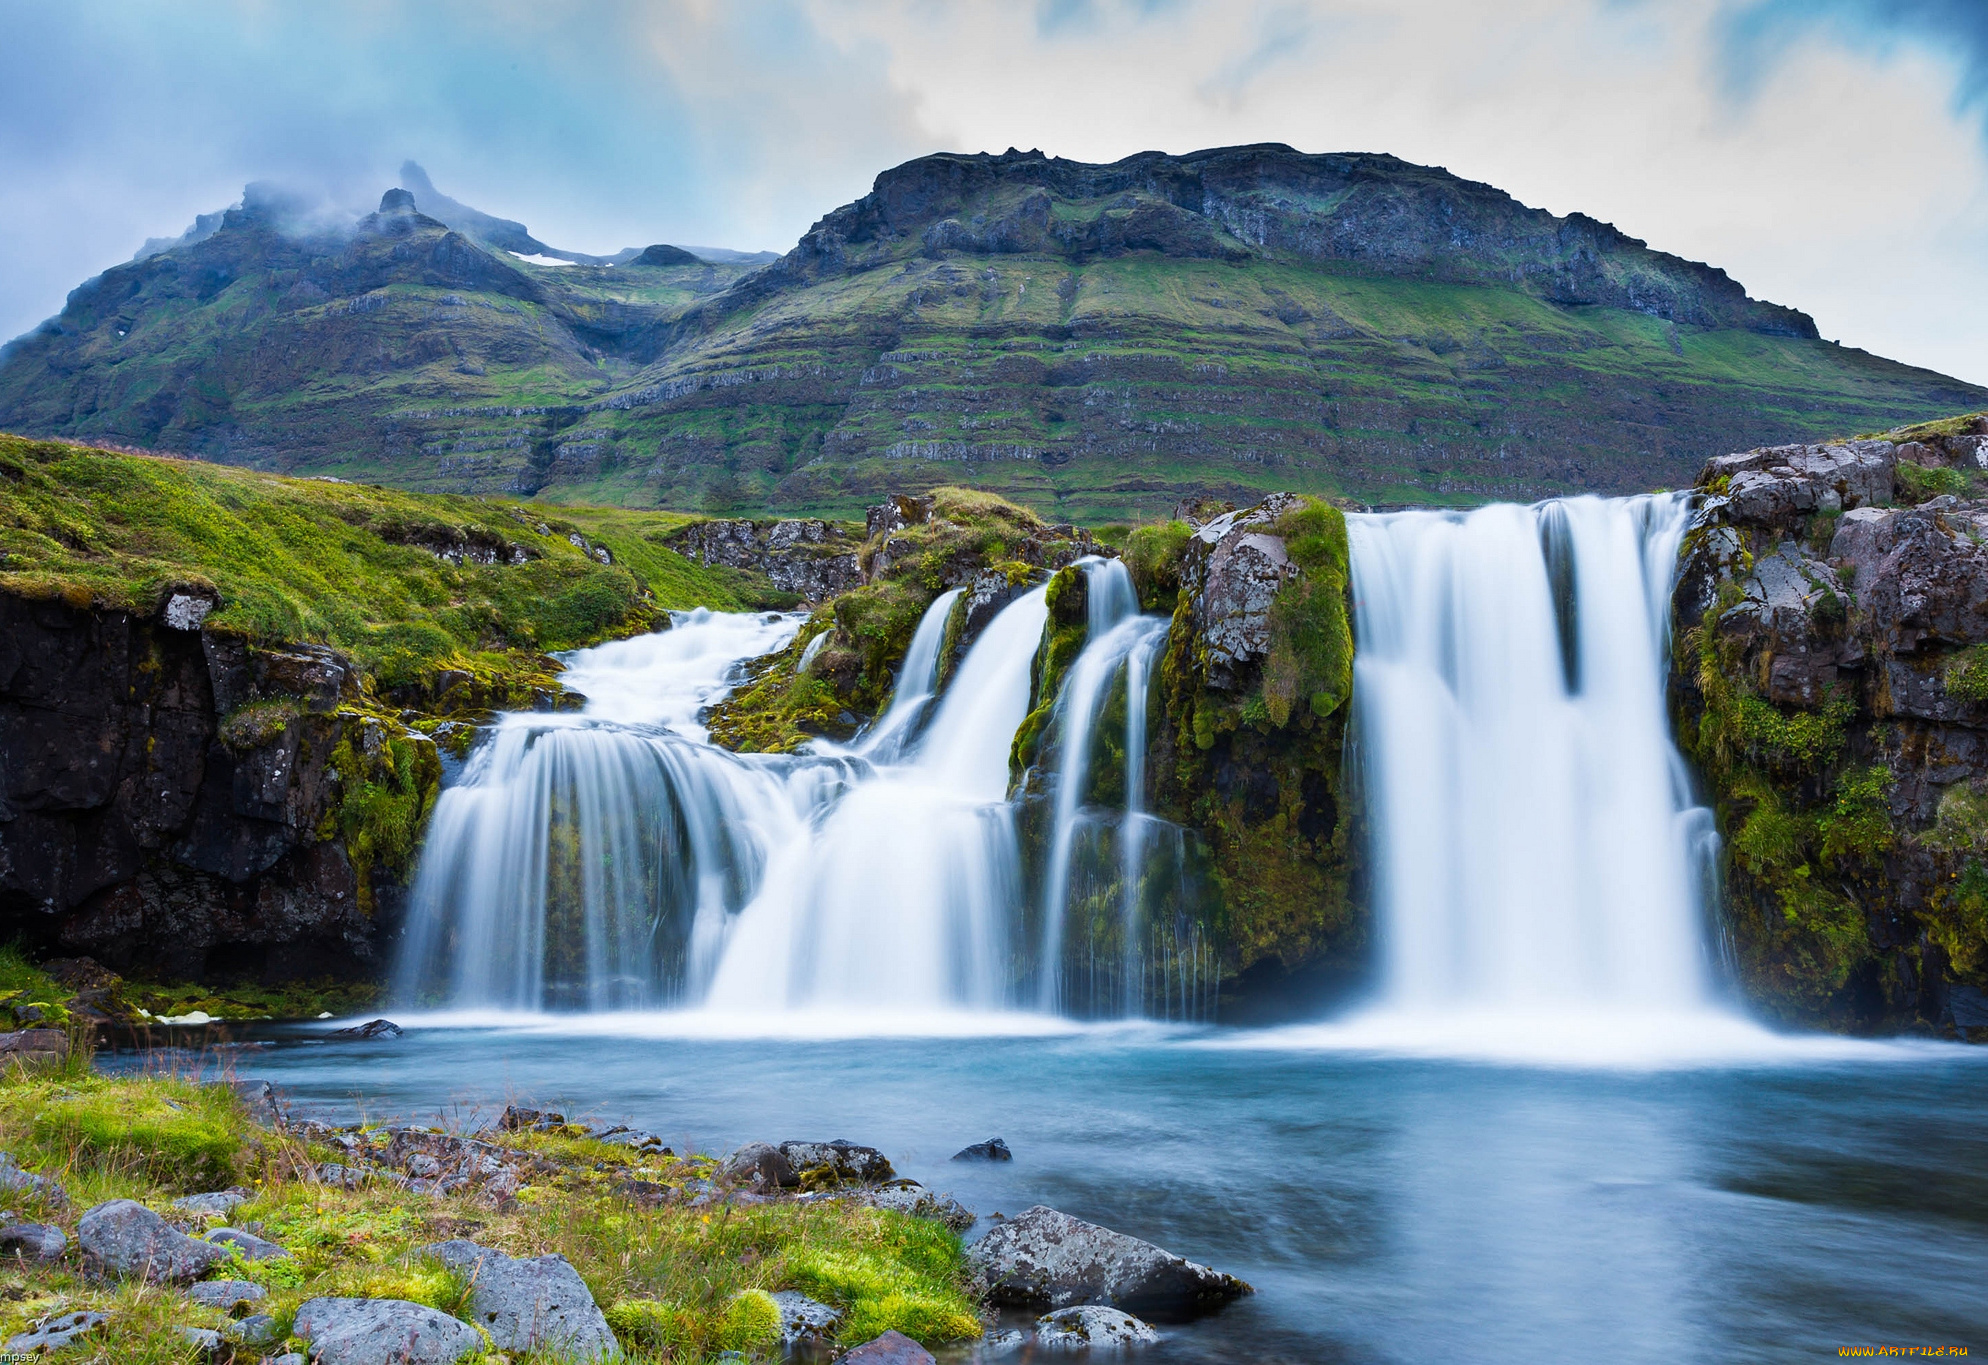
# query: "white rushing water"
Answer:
x=1536 y=851
x=616 y=859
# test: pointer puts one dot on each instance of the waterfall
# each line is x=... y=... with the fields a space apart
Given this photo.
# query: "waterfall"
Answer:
x=1115 y=663
x=917 y=681
x=1535 y=845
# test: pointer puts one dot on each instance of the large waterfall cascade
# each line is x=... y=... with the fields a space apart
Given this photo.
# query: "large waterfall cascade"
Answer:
x=1536 y=847
x=1534 y=844
x=615 y=859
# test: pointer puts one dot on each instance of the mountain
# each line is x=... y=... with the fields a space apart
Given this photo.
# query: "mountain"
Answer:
x=1096 y=340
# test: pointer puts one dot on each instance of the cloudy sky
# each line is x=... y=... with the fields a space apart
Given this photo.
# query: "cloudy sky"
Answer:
x=1830 y=154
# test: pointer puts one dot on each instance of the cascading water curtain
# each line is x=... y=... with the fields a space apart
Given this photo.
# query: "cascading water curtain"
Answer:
x=1535 y=845
x=1118 y=936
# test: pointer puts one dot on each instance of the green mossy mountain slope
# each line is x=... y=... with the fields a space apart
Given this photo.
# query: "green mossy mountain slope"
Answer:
x=1093 y=341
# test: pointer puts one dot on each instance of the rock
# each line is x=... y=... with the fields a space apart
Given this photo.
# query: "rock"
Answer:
x=803 y=1319
x=14 y=1180
x=1049 y=1258
x=517 y=1120
x=383 y=1332
x=288 y=1358
x=1967 y=1007
x=32 y=1241
x=809 y=558
x=249 y=1246
x=1234 y=568
x=1092 y=1327
x=258 y=1329
x=908 y=1196
x=994 y=1149
x=378 y=1028
x=892 y=1348
x=53 y=1333
x=126 y=1238
x=219 y=1203
x=538 y=1304
x=840 y=1159
x=34 y=1046
x=205 y=1340
x=226 y=1295
x=760 y=1164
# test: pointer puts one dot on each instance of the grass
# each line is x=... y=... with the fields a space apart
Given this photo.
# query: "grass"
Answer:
x=677 y=1283
x=348 y=565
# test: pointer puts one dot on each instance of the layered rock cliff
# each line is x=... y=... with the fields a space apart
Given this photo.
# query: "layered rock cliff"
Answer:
x=1830 y=679
x=183 y=803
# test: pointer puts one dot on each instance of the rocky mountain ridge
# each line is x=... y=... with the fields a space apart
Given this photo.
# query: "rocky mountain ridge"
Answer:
x=1093 y=341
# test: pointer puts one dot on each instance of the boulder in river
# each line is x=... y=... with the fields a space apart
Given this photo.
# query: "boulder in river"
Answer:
x=126 y=1238
x=539 y=1304
x=892 y=1348
x=1092 y=1327
x=1045 y=1257
x=377 y=1028
x=383 y=1332
x=994 y=1149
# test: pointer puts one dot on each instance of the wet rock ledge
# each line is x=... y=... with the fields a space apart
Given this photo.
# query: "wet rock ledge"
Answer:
x=1830 y=681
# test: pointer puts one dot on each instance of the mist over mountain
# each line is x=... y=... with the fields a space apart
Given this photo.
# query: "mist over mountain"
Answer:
x=1097 y=338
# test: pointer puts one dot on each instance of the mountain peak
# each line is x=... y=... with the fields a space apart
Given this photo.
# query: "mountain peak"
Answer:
x=1371 y=211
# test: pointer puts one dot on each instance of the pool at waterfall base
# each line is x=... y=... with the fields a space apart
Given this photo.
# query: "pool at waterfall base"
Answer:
x=1750 y=1197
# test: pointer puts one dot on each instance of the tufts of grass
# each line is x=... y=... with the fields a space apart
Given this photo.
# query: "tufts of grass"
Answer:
x=678 y=1283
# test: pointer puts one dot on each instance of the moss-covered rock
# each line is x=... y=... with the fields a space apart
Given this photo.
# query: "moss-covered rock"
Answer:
x=1255 y=683
x=917 y=548
x=1824 y=683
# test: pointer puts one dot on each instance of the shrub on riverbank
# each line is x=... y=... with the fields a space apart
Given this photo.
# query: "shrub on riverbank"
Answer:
x=679 y=1283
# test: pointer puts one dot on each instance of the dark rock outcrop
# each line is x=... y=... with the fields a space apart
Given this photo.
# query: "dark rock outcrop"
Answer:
x=177 y=798
x=1046 y=1258
x=810 y=558
x=1830 y=679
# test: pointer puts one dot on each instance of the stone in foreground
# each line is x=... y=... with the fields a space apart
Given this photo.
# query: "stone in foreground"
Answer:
x=994 y=1149
x=226 y=1295
x=908 y=1196
x=539 y=1304
x=1092 y=1327
x=250 y=1246
x=32 y=1241
x=219 y=1203
x=760 y=1164
x=205 y=1340
x=14 y=1180
x=52 y=1334
x=126 y=1238
x=803 y=1319
x=1048 y=1258
x=843 y=1160
x=383 y=1332
x=892 y=1348
x=256 y=1330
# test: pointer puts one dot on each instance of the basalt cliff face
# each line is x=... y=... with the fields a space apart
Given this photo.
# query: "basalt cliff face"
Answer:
x=1095 y=341
x=1830 y=679
x=179 y=802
